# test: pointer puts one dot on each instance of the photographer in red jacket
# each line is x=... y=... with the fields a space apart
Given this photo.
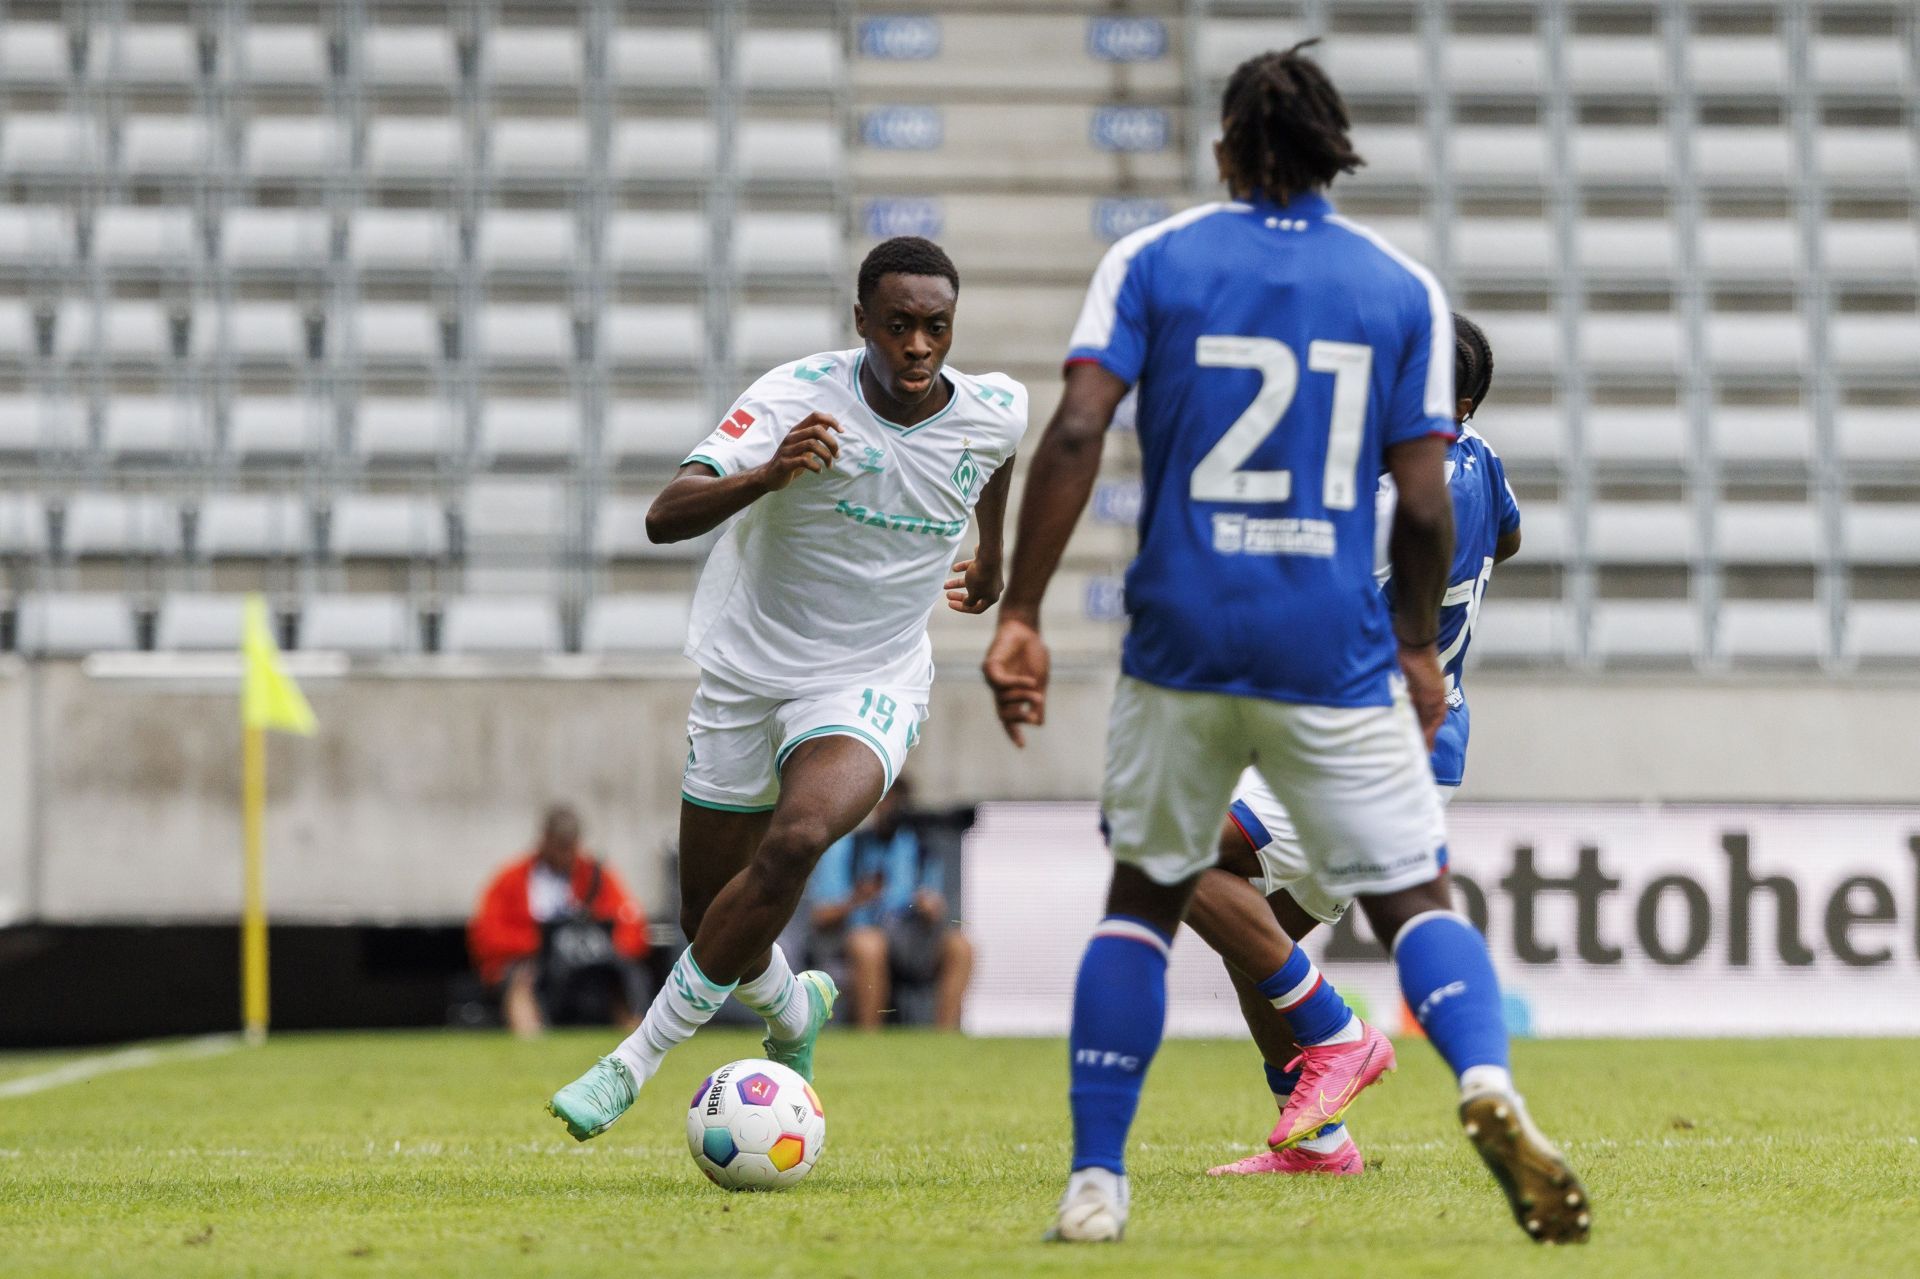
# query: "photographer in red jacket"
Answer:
x=558 y=939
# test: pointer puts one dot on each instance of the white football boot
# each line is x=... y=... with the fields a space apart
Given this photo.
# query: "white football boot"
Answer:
x=1094 y=1209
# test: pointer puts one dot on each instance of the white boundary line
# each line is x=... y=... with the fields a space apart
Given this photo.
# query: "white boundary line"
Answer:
x=133 y=1058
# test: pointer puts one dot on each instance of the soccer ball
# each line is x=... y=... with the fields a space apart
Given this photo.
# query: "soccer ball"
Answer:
x=756 y=1125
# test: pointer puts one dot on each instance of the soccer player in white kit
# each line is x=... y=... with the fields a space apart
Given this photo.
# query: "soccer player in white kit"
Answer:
x=858 y=473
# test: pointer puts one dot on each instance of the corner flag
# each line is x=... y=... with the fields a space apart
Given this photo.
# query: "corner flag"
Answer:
x=271 y=699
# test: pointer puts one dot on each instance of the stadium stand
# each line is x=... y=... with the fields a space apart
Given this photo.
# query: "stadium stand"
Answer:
x=293 y=296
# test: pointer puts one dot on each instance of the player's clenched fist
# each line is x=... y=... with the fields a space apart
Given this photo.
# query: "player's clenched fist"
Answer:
x=1426 y=688
x=1017 y=668
x=810 y=446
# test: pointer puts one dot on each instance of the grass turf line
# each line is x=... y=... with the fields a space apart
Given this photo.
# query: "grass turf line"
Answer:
x=429 y=1154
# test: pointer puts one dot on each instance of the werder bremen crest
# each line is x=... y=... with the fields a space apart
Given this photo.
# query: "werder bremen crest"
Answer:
x=966 y=474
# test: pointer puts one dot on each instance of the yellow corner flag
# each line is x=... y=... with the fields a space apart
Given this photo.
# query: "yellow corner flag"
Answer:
x=269 y=699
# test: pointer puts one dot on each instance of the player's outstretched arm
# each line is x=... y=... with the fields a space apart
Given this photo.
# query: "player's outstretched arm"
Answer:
x=1058 y=484
x=699 y=500
x=1420 y=549
x=980 y=579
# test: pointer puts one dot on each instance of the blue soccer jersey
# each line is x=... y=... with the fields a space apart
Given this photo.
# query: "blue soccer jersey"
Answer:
x=1279 y=350
x=1484 y=511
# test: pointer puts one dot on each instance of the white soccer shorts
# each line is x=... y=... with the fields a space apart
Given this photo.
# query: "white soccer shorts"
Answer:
x=1263 y=819
x=737 y=741
x=1355 y=779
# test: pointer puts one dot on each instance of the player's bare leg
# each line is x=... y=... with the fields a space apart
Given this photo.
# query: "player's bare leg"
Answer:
x=829 y=784
x=1450 y=984
x=956 y=971
x=520 y=1006
x=867 y=968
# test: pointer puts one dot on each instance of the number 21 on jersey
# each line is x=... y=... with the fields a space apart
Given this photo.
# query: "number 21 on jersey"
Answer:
x=1218 y=477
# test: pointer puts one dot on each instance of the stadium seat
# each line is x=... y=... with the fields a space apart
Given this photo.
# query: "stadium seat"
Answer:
x=19 y=338
x=1744 y=155
x=1882 y=630
x=656 y=150
x=1762 y=435
x=1523 y=341
x=500 y=624
x=400 y=57
x=358 y=624
x=1616 y=64
x=1632 y=343
x=1643 y=435
x=789 y=59
x=524 y=430
x=1526 y=434
x=659 y=431
x=1767 y=533
x=1875 y=343
x=537 y=148
x=1757 y=342
x=780 y=244
x=253 y=333
x=71 y=625
x=519 y=515
x=152 y=426
x=1498 y=248
x=35 y=144
x=654 y=336
x=429 y=148
x=1545 y=537
x=127 y=333
x=387 y=526
x=262 y=428
x=656 y=240
x=1647 y=630
x=393 y=429
x=1736 y=64
x=1480 y=66
x=23 y=525
x=1866 y=157
x=164 y=146
x=1774 y=630
x=1372 y=65
x=34 y=54
x=526 y=240
x=254 y=239
x=1858 y=249
x=1523 y=630
x=35 y=236
x=1856 y=64
x=1396 y=155
x=789 y=150
x=620 y=529
x=280 y=56
x=661 y=58
x=1642 y=533
x=654 y=623
x=150 y=238
x=396 y=333
x=252 y=526
x=204 y=623
x=1872 y=434
x=98 y=525
x=148 y=55
x=41 y=424
x=1751 y=249
x=524 y=334
x=1627 y=247
x=1881 y=533
x=1622 y=154
x=1504 y=154
x=402 y=240
x=533 y=58
x=768 y=334
x=306 y=148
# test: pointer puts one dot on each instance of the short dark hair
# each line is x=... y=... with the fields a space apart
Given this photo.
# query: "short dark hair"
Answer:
x=1285 y=125
x=904 y=255
x=1472 y=362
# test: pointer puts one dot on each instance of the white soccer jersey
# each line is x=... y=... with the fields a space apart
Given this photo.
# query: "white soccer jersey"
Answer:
x=829 y=581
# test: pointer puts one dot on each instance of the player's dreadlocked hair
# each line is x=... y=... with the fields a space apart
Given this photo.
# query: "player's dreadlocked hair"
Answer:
x=1285 y=125
x=1472 y=361
x=904 y=255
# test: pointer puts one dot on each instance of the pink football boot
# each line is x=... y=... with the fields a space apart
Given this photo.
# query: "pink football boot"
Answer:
x=1344 y=1162
x=1331 y=1078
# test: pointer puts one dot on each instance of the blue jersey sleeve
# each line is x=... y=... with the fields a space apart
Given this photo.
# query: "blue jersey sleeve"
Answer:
x=1503 y=495
x=1112 y=328
x=1421 y=400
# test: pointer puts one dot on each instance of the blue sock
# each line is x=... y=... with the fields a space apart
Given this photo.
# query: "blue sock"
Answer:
x=1119 y=1012
x=1313 y=1008
x=1447 y=978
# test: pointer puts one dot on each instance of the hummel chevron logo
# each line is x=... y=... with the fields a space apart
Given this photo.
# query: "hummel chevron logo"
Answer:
x=700 y=1002
x=995 y=396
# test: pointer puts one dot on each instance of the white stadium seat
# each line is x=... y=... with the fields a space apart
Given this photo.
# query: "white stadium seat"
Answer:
x=70 y=625
x=656 y=336
x=1751 y=248
x=1774 y=630
x=1394 y=154
x=35 y=235
x=1642 y=533
x=23 y=524
x=302 y=147
x=1502 y=247
x=387 y=526
x=519 y=512
x=524 y=333
x=662 y=57
x=115 y=524
x=390 y=428
x=276 y=239
x=427 y=147
x=1736 y=64
x=152 y=426
x=1761 y=342
x=203 y=623
x=127 y=332
x=408 y=57
x=252 y=526
x=1881 y=533
x=1480 y=65
x=396 y=333
x=1644 y=247
x=787 y=244
x=1616 y=64
x=50 y=144
x=537 y=148
x=1768 y=434
x=766 y=334
x=34 y=424
x=526 y=429
x=649 y=240
x=654 y=430
x=1744 y=155
x=533 y=57
x=668 y=149
x=358 y=624
x=1616 y=154
x=1374 y=64
x=620 y=533
x=1868 y=157
x=806 y=150
x=164 y=145
x=146 y=54
x=1641 y=434
x=500 y=624
x=402 y=240
x=141 y=237
x=1523 y=341
x=1883 y=630
x=1545 y=535
x=653 y=623
x=526 y=240
x=1526 y=434
x=266 y=333
x=34 y=54
x=1643 y=343
x=1498 y=153
x=1871 y=433
x=277 y=427
x=1523 y=630
x=276 y=55
x=1857 y=249
x=1647 y=630
x=788 y=59
x=1852 y=64
x=1767 y=533
x=18 y=339
x=1875 y=343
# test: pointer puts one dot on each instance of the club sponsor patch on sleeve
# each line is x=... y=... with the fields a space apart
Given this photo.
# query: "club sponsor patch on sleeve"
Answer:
x=736 y=424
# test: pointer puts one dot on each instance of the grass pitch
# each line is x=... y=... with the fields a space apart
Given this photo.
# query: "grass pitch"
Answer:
x=429 y=1154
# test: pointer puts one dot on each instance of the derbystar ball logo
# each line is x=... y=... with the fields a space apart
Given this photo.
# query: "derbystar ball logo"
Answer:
x=736 y=424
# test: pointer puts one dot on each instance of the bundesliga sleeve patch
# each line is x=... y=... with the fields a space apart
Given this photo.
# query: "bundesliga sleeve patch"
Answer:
x=736 y=424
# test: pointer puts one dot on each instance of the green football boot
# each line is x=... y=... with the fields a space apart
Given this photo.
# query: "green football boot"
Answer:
x=797 y=1054
x=590 y=1104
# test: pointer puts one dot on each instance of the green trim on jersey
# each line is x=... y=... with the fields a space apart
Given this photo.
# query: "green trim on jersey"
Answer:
x=726 y=808
x=840 y=730
x=702 y=457
x=859 y=361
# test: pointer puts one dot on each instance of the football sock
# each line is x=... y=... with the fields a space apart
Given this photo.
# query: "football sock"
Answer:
x=1280 y=1083
x=1119 y=1012
x=1448 y=980
x=1313 y=1008
x=777 y=997
x=687 y=1002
